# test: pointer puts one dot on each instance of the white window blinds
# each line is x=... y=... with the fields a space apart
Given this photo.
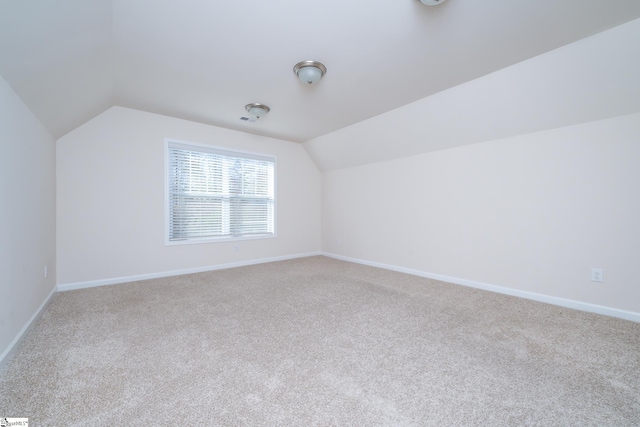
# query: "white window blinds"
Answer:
x=214 y=193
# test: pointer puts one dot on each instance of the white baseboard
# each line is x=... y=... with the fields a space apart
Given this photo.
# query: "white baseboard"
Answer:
x=8 y=353
x=578 y=305
x=138 y=277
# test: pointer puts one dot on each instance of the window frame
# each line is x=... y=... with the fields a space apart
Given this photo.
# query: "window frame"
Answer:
x=224 y=151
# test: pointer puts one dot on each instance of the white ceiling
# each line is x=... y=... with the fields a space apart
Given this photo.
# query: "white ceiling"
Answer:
x=594 y=78
x=70 y=60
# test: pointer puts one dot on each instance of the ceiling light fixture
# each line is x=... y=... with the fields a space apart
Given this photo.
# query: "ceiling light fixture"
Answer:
x=309 y=72
x=432 y=2
x=257 y=110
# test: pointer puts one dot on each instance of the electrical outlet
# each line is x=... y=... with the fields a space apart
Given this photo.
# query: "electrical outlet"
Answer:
x=45 y=271
x=236 y=248
x=597 y=275
x=338 y=241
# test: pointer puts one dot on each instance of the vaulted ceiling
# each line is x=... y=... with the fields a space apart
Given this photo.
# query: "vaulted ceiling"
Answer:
x=70 y=60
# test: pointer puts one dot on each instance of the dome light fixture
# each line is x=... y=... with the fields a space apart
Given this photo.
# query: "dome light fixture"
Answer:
x=257 y=110
x=309 y=72
x=432 y=2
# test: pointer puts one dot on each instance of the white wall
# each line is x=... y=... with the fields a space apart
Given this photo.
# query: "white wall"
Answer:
x=532 y=212
x=110 y=199
x=27 y=216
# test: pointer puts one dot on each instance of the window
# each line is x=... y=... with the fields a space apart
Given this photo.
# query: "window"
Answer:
x=214 y=193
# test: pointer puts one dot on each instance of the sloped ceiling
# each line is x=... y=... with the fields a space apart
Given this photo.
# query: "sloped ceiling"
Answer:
x=594 y=78
x=69 y=60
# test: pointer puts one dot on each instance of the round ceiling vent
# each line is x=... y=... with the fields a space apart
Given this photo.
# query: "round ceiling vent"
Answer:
x=432 y=2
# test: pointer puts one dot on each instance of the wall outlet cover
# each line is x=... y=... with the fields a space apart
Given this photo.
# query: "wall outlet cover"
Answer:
x=597 y=275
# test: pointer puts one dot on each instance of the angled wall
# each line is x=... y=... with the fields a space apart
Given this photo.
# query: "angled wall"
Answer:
x=591 y=79
x=520 y=181
x=27 y=217
x=532 y=213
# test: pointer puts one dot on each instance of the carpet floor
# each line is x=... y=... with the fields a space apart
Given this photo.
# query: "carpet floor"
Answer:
x=317 y=341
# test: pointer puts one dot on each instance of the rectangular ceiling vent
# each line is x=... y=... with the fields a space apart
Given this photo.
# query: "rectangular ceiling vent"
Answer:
x=248 y=119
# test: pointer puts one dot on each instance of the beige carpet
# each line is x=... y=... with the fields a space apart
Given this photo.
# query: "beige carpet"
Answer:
x=317 y=341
